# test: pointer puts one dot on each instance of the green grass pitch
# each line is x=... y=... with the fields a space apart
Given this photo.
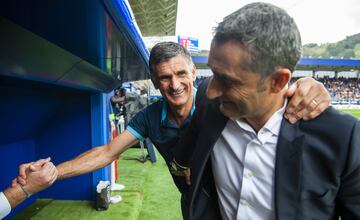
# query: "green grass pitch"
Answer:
x=354 y=112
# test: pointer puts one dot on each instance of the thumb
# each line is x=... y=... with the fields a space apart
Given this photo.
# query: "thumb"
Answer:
x=14 y=183
x=187 y=180
x=34 y=168
x=41 y=162
x=187 y=176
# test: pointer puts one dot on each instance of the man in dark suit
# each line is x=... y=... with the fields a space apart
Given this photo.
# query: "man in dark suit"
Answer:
x=246 y=161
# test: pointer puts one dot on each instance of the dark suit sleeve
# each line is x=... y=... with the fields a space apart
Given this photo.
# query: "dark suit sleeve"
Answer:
x=184 y=148
x=349 y=193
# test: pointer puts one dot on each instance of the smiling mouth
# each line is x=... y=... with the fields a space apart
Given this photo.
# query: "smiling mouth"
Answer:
x=177 y=93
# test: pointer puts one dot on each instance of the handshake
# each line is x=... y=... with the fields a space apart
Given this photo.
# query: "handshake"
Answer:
x=35 y=176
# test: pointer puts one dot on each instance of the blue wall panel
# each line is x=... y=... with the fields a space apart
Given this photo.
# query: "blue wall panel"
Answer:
x=24 y=110
x=40 y=120
x=99 y=129
x=67 y=136
x=12 y=155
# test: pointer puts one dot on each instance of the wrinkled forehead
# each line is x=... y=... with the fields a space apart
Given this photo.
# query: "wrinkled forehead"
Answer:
x=178 y=62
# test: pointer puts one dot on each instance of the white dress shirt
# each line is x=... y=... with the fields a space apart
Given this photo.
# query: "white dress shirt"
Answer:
x=243 y=165
x=5 y=207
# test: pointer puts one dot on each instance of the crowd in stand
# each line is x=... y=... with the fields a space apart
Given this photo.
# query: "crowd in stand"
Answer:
x=199 y=80
x=342 y=89
x=128 y=103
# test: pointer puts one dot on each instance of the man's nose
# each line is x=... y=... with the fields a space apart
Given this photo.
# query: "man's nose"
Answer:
x=175 y=82
x=214 y=90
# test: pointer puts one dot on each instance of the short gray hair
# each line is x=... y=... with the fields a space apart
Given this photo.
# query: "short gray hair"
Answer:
x=166 y=50
x=268 y=33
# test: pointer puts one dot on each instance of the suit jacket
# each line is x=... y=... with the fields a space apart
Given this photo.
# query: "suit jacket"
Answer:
x=317 y=170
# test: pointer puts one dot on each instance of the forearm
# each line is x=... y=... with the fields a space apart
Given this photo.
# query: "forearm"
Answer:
x=97 y=157
x=89 y=161
x=14 y=195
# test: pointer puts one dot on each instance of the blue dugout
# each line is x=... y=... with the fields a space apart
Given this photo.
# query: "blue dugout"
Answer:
x=58 y=61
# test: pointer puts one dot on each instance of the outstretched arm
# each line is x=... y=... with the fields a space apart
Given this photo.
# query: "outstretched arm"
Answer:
x=97 y=157
x=89 y=161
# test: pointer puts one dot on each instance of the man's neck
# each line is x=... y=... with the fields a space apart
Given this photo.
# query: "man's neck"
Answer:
x=180 y=114
x=258 y=122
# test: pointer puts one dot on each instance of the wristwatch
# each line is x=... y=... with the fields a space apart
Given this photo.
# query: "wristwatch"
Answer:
x=177 y=169
x=27 y=194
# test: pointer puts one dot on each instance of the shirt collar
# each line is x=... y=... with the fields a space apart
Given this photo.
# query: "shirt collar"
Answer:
x=274 y=123
x=164 y=109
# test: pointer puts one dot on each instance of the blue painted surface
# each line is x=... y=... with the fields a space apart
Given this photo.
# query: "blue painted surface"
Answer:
x=40 y=120
x=328 y=62
x=10 y=160
x=200 y=59
x=92 y=30
x=67 y=135
x=119 y=11
x=47 y=19
x=100 y=132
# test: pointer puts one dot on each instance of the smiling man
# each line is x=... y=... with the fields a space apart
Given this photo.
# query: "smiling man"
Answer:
x=163 y=122
x=246 y=160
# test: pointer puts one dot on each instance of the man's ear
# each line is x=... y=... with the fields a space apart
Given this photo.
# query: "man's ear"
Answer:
x=194 y=72
x=154 y=81
x=280 y=79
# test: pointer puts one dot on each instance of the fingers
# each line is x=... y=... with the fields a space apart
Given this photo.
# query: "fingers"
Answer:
x=317 y=111
x=318 y=104
x=23 y=169
x=291 y=90
x=309 y=100
x=49 y=173
x=14 y=183
x=187 y=176
x=41 y=162
x=41 y=179
x=304 y=108
x=21 y=181
x=18 y=180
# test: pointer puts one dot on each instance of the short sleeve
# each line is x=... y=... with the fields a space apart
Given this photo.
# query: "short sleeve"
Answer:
x=138 y=125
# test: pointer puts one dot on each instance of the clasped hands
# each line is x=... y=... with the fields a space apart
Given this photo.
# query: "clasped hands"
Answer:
x=36 y=176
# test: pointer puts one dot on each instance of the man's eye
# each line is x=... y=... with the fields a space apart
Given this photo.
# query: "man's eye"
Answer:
x=227 y=82
x=182 y=73
x=165 y=79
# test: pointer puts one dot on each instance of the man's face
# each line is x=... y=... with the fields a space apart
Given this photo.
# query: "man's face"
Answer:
x=238 y=88
x=174 y=78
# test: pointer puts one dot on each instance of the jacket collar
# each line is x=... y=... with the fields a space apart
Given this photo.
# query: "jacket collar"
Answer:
x=200 y=164
x=288 y=169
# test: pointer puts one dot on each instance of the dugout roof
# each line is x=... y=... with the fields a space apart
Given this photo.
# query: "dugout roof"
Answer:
x=155 y=17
